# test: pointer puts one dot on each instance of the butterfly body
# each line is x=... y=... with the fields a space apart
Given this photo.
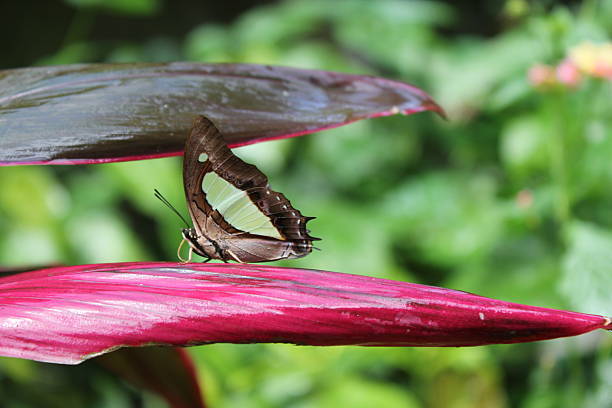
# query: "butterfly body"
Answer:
x=236 y=215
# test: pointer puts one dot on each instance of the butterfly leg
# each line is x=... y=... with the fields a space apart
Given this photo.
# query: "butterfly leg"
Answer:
x=178 y=253
x=233 y=255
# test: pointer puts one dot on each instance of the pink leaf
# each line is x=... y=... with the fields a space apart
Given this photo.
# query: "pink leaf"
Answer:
x=68 y=314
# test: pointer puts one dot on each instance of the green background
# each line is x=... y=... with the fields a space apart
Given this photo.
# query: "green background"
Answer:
x=510 y=198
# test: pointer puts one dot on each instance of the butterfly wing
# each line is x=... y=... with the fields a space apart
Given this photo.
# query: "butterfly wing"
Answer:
x=232 y=205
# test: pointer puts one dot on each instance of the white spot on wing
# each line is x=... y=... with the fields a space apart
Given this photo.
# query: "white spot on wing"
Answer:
x=202 y=157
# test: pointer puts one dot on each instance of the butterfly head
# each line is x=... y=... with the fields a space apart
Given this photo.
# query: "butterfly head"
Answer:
x=200 y=244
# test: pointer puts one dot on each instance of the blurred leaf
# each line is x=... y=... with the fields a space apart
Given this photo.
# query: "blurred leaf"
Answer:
x=128 y=7
x=209 y=43
x=524 y=146
x=353 y=392
x=466 y=76
x=601 y=395
x=361 y=247
x=69 y=314
x=509 y=93
x=101 y=113
x=32 y=205
x=160 y=49
x=32 y=245
x=287 y=387
x=32 y=196
x=71 y=53
x=277 y=25
x=368 y=172
x=316 y=55
x=408 y=25
x=165 y=370
x=445 y=218
x=593 y=171
x=18 y=369
x=451 y=385
x=136 y=181
x=102 y=236
x=587 y=268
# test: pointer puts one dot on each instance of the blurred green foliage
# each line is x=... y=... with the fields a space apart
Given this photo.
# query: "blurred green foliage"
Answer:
x=509 y=198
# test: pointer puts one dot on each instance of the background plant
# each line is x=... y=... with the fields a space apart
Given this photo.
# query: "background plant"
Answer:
x=508 y=199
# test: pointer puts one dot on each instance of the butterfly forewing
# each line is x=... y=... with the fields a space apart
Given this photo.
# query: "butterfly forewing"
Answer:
x=235 y=213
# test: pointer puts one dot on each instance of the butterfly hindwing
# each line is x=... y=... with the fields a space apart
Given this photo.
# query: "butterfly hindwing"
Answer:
x=235 y=213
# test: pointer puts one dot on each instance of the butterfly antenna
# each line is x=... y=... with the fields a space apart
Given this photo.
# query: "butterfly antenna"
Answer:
x=163 y=199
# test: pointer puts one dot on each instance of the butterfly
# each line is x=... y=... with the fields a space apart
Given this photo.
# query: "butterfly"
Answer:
x=235 y=214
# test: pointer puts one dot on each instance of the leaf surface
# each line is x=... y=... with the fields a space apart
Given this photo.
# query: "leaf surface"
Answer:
x=96 y=113
x=69 y=314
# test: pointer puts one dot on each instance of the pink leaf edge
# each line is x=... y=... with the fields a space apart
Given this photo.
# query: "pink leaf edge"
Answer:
x=69 y=314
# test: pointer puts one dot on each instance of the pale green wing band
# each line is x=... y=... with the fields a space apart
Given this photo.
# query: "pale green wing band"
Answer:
x=236 y=207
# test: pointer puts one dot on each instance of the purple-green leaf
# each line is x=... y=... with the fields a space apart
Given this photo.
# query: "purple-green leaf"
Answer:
x=96 y=113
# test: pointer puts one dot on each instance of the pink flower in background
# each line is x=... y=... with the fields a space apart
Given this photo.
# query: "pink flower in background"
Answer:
x=542 y=76
x=587 y=58
x=567 y=73
x=603 y=69
x=524 y=199
x=593 y=59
